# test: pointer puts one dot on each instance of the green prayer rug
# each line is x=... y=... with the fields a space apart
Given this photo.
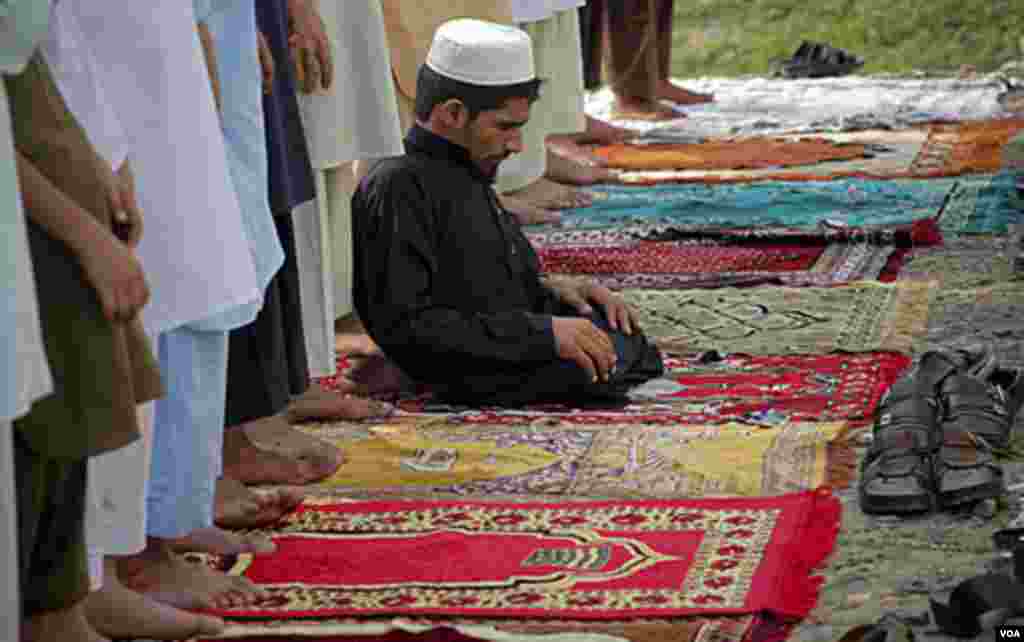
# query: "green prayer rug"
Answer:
x=864 y=316
x=984 y=204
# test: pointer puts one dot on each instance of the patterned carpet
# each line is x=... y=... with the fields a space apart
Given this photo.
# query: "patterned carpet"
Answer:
x=764 y=287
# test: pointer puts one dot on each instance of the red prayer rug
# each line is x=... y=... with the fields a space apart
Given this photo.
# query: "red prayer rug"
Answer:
x=574 y=560
x=752 y=389
x=676 y=257
x=922 y=232
x=686 y=265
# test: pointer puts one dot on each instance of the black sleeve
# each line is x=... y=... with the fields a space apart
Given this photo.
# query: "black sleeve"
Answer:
x=395 y=238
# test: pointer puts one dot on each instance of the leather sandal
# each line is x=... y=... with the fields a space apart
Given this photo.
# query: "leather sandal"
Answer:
x=896 y=474
x=977 y=406
x=965 y=469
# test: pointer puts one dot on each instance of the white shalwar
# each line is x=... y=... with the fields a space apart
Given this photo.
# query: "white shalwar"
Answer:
x=24 y=372
x=357 y=119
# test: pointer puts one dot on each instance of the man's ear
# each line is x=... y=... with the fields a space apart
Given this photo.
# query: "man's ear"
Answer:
x=454 y=113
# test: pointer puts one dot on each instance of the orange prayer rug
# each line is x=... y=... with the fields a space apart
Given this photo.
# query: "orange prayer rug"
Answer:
x=966 y=147
x=948 y=149
x=741 y=153
x=589 y=561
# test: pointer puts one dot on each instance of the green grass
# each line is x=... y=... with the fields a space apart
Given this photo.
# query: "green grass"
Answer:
x=735 y=37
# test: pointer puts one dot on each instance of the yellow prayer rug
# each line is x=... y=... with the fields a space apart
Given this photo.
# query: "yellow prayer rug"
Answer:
x=728 y=459
x=864 y=316
x=560 y=458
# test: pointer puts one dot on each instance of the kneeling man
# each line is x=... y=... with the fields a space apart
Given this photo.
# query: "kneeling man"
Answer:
x=445 y=281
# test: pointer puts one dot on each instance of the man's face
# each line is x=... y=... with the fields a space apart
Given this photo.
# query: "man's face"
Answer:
x=497 y=134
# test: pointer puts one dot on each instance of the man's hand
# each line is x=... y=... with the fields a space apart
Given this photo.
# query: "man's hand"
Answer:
x=309 y=46
x=580 y=294
x=581 y=341
x=116 y=275
x=621 y=316
x=123 y=202
x=266 y=62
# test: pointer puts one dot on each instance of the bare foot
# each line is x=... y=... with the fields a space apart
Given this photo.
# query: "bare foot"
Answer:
x=527 y=214
x=382 y=376
x=169 y=578
x=122 y=614
x=238 y=507
x=355 y=344
x=218 y=541
x=250 y=464
x=573 y=151
x=565 y=170
x=605 y=133
x=629 y=108
x=68 y=625
x=326 y=404
x=547 y=194
x=674 y=93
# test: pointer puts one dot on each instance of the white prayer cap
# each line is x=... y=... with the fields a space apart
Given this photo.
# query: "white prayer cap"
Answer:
x=481 y=53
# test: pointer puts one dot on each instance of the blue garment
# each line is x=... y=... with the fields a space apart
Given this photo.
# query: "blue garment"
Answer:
x=188 y=432
x=291 y=174
x=233 y=27
x=853 y=202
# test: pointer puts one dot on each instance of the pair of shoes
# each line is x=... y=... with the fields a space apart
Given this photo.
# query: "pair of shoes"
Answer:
x=935 y=431
x=819 y=60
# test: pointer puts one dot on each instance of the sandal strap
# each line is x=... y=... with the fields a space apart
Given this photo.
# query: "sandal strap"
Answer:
x=965 y=393
x=910 y=410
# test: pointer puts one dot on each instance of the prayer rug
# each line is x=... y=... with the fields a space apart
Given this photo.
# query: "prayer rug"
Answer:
x=607 y=560
x=681 y=265
x=713 y=389
x=860 y=317
x=744 y=628
x=742 y=153
x=441 y=456
x=921 y=232
x=676 y=258
x=889 y=154
x=949 y=149
x=840 y=203
x=767 y=106
x=605 y=461
x=701 y=461
x=967 y=147
x=982 y=205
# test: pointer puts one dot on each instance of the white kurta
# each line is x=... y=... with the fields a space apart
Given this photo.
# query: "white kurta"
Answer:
x=356 y=120
x=24 y=373
x=194 y=249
